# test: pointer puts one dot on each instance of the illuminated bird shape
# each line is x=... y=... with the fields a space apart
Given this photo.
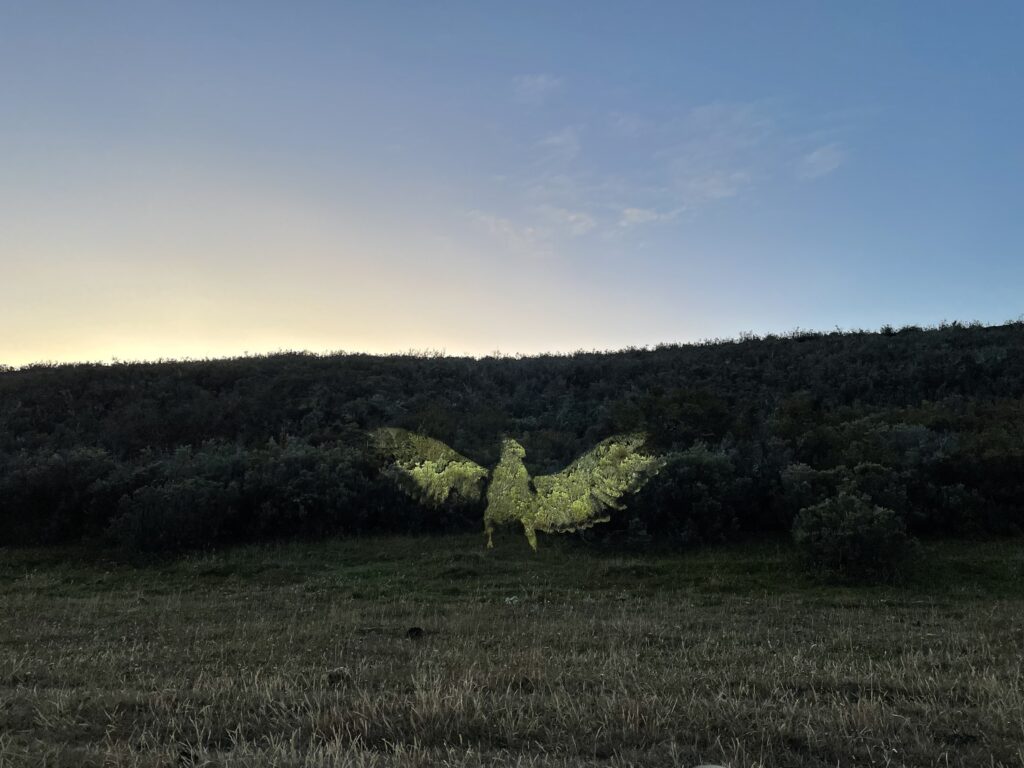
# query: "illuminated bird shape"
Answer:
x=576 y=498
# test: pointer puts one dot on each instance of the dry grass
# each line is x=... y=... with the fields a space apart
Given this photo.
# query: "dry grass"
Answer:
x=298 y=656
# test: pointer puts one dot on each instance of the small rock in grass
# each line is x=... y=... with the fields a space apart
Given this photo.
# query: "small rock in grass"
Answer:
x=338 y=676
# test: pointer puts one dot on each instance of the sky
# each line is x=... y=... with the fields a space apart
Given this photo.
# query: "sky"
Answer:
x=199 y=179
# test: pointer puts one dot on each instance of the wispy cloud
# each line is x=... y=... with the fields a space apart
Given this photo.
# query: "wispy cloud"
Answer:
x=640 y=170
x=631 y=217
x=522 y=240
x=821 y=161
x=634 y=216
x=627 y=125
x=575 y=223
x=562 y=145
x=534 y=90
x=716 y=184
x=718 y=152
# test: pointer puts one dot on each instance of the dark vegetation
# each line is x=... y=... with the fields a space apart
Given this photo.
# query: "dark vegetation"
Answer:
x=849 y=537
x=927 y=425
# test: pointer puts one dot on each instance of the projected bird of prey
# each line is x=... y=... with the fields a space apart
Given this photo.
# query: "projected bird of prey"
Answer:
x=575 y=498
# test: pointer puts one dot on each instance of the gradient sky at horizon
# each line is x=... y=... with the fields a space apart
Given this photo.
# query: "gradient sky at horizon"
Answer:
x=193 y=179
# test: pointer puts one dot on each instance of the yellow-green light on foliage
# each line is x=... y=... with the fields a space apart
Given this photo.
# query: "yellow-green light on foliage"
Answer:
x=575 y=498
x=428 y=469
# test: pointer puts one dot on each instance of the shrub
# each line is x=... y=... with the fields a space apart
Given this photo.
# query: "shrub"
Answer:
x=804 y=486
x=49 y=497
x=849 y=538
x=297 y=489
x=181 y=514
x=883 y=485
x=694 y=499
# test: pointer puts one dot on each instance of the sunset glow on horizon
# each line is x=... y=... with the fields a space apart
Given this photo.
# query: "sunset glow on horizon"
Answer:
x=188 y=180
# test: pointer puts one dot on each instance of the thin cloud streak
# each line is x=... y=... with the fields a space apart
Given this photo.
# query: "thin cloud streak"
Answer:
x=821 y=162
x=535 y=90
x=561 y=146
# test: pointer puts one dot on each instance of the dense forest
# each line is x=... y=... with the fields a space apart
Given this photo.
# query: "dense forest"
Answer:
x=181 y=454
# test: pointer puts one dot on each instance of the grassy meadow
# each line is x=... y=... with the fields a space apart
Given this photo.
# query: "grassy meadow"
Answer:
x=298 y=655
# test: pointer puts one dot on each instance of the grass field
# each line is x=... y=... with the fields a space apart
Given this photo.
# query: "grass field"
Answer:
x=298 y=655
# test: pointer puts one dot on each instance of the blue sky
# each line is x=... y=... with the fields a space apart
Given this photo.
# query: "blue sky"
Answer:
x=203 y=179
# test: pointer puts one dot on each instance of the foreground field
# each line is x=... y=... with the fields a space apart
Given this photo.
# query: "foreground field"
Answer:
x=299 y=655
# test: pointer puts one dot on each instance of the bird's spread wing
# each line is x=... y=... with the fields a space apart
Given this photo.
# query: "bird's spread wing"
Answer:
x=428 y=469
x=581 y=494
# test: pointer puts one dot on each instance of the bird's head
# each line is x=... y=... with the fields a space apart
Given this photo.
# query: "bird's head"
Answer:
x=510 y=449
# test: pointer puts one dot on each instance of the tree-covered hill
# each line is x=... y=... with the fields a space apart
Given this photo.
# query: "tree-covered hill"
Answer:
x=170 y=454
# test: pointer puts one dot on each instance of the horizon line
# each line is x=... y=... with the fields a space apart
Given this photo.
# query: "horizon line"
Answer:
x=497 y=354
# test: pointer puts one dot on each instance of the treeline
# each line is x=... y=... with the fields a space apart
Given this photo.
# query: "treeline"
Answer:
x=928 y=423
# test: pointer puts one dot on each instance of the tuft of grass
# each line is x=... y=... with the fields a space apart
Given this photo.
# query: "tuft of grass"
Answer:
x=299 y=655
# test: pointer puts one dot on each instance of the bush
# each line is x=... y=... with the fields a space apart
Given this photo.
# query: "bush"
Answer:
x=47 y=497
x=803 y=486
x=222 y=493
x=179 y=515
x=297 y=489
x=694 y=499
x=849 y=538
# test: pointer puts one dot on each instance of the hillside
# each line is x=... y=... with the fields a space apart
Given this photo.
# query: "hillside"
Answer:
x=927 y=422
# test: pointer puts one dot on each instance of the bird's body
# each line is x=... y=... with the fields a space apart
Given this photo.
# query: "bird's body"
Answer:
x=510 y=493
x=571 y=500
